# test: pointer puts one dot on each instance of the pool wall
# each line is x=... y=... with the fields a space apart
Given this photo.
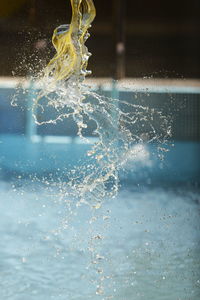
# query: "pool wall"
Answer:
x=52 y=149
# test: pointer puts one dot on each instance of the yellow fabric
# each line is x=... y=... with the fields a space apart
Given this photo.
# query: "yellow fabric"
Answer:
x=72 y=54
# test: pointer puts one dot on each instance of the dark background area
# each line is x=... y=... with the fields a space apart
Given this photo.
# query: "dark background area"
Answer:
x=162 y=38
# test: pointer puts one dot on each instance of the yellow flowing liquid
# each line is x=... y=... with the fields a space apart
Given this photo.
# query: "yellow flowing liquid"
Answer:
x=118 y=123
x=69 y=41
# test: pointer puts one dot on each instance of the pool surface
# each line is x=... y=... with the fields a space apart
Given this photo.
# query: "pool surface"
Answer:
x=142 y=245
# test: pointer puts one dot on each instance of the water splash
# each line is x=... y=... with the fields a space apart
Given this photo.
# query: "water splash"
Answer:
x=120 y=125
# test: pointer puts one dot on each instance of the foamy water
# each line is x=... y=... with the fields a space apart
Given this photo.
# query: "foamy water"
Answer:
x=146 y=245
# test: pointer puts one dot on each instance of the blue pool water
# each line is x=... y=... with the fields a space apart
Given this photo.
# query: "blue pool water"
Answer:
x=144 y=244
x=141 y=245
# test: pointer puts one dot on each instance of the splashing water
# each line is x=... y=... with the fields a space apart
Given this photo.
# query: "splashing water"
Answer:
x=118 y=123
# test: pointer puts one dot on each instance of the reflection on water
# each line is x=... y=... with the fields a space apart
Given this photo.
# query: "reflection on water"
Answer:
x=146 y=245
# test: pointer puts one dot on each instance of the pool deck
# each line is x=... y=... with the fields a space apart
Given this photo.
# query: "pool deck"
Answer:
x=133 y=84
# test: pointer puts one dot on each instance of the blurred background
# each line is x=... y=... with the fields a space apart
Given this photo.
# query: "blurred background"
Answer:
x=149 y=38
x=154 y=45
x=146 y=244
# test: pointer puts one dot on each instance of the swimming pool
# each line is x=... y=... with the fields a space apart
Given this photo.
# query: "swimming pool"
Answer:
x=46 y=149
x=149 y=246
x=144 y=244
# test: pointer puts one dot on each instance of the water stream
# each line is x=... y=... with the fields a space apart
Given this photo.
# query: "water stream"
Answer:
x=119 y=126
